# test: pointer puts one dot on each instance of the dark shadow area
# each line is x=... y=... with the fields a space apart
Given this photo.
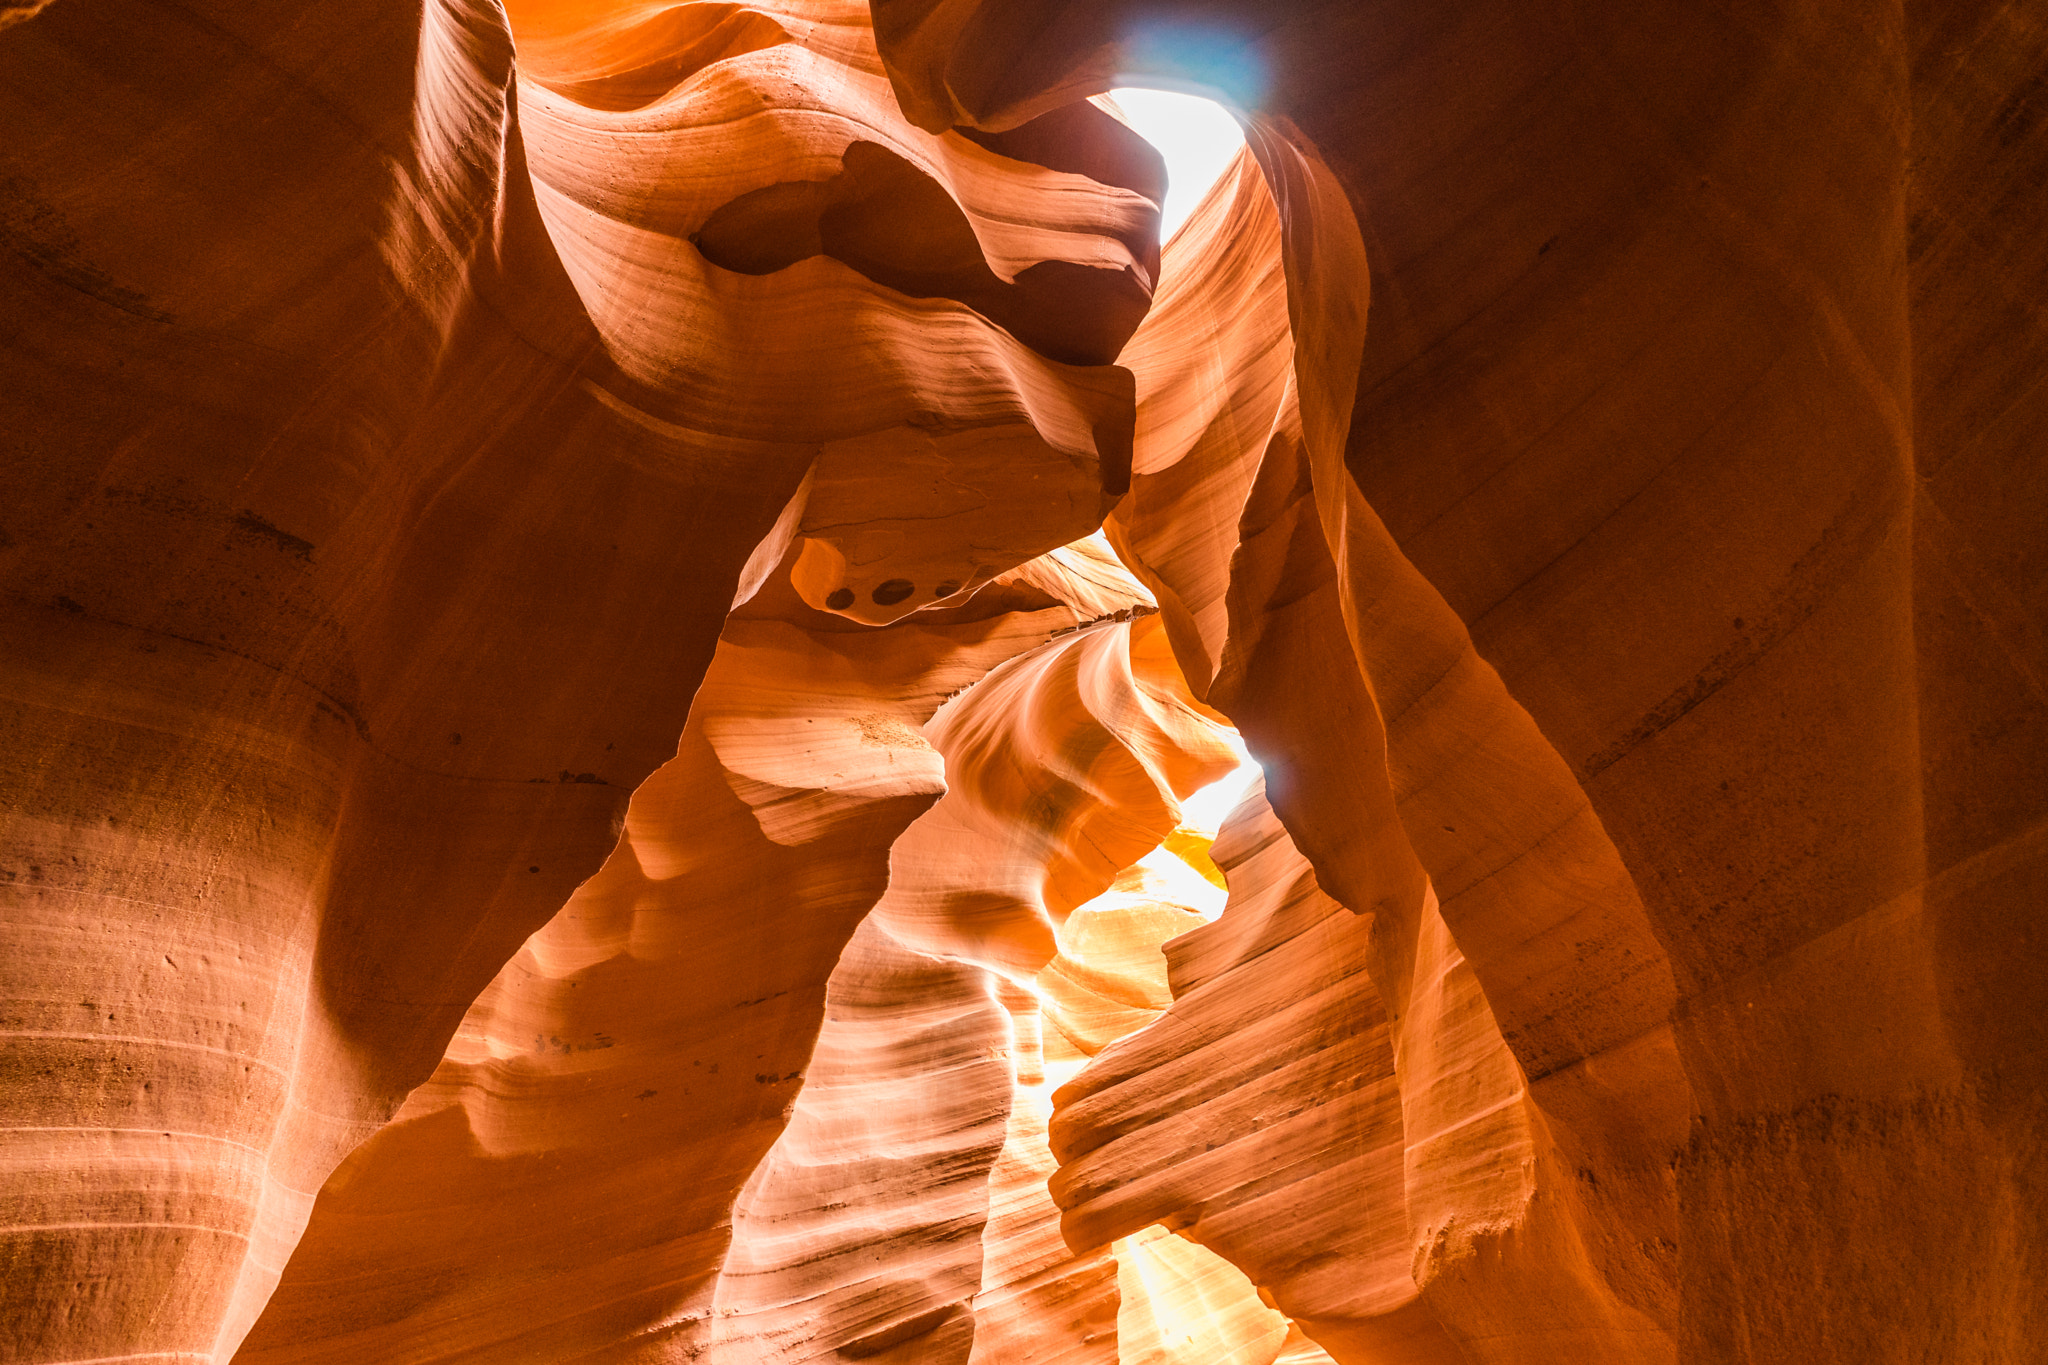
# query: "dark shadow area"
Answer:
x=890 y=221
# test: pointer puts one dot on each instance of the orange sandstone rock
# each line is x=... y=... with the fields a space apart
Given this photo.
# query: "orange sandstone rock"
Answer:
x=415 y=419
x=393 y=461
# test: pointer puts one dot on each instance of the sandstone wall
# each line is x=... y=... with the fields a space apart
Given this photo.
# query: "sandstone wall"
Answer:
x=1589 y=452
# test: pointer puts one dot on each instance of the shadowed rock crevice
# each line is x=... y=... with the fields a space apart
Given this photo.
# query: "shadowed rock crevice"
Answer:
x=897 y=226
x=577 y=782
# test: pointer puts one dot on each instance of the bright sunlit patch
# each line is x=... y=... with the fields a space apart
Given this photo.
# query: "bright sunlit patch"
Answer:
x=1173 y=880
x=1197 y=137
x=1206 y=809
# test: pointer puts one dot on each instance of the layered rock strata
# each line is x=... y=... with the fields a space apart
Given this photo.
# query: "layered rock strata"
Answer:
x=876 y=1223
x=1640 y=624
x=390 y=461
x=1636 y=579
x=597 y=1113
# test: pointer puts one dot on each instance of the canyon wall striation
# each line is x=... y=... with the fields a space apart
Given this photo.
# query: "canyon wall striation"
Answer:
x=579 y=786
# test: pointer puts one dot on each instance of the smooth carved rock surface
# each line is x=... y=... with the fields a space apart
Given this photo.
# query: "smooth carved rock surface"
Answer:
x=1636 y=470
x=584 y=1076
x=1262 y=616
x=1591 y=458
x=445 y=506
x=641 y=1041
x=1261 y=1114
x=903 y=1214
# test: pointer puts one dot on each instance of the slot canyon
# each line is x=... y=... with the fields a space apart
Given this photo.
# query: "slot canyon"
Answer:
x=671 y=695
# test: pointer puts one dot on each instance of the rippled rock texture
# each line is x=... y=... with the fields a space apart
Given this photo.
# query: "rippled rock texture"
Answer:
x=578 y=784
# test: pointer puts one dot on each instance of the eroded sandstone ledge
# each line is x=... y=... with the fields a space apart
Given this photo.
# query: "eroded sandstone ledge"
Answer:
x=1589 y=456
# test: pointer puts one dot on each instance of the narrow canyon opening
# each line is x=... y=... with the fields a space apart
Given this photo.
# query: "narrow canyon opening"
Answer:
x=900 y=1192
x=630 y=631
x=1197 y=138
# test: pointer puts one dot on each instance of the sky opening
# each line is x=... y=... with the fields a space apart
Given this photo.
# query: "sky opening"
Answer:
x=1197 y=137
x=1206 y=809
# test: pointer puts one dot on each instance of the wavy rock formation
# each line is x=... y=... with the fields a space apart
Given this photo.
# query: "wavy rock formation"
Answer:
x=442 y=533
x=1262 y=1114
x=606 y=1098
x=1590 y=456
x=873 y=1227
x=1636 y=470
x=1262 y=611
